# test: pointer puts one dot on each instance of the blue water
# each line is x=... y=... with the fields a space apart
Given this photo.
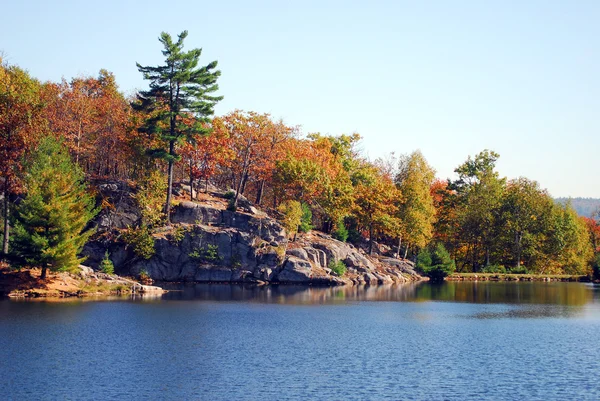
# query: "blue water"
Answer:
x=534 y=341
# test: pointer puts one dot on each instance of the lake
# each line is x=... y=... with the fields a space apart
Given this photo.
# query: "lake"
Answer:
x=455 y=341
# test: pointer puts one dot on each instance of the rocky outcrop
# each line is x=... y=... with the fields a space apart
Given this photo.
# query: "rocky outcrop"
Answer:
x=208 y=243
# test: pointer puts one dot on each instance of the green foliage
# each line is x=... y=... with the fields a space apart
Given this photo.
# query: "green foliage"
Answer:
x=306 y=219
x=415 y=206
x=231 y=206
x=340 y=232
x=208 y=254
x=596 y=267
x=106 y=266
x=338 y=267
x=494 y=269
x=292 y=216
x=141 y=240
x=229 y=194
x=150 y=198
x=177 y=235
x=178 y=90
x=236 y=261
x=519 y=270
x=144 y=276
x=435 y=262
x=50 y=223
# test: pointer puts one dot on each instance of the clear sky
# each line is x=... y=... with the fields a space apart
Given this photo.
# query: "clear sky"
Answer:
x=450 y=78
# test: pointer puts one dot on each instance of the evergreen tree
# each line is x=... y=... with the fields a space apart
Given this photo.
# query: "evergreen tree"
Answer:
x=179 y=101
x=49 y=224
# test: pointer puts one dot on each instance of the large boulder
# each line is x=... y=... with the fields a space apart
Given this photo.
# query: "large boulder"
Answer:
x=295 y=270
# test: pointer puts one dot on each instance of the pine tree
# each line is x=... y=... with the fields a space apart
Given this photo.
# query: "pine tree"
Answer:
x=179 y=89
x=49 y=226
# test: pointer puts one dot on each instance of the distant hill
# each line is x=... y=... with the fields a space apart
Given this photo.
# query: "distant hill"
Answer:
x=583 y=206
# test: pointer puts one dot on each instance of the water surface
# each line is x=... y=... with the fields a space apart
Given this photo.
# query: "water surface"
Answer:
x=460 y=340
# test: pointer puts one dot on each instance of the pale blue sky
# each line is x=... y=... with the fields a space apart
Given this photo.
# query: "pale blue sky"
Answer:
x=448 y=77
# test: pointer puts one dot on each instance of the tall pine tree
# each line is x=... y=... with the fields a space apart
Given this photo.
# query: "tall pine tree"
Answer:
x=49 y=224
x=179 y=89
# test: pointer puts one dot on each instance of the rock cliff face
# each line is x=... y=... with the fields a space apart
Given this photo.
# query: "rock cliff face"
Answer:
x=208 y=243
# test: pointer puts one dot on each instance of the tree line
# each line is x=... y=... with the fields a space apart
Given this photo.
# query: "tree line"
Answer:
x=168 y=133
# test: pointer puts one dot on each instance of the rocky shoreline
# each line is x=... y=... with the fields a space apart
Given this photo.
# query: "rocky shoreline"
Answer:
x=208 y=243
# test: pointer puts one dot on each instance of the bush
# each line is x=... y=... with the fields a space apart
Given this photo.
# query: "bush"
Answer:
x=435 y=262
x=106 y=266
x=306 y=219
x=229 y=194
x=144 y=276
x=596 y=267
x=338 y=267
x=231 y=206
x=494 y=269
x=519 y=270
x=340 y=232
x=141 y=240
x=208 y=254
x=177 y=235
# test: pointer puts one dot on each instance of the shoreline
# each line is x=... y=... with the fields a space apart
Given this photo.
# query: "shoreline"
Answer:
x=518 y=277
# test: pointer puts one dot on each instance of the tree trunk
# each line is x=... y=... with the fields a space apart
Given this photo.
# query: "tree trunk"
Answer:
x=6 y=226
x=371 y=239
x=44 y=270
x=191 y=182
x=244 y=182
x=518 y=237
x=406 y=251
x=399 y=244
x=259 y=193
x=169 y=183
x=487 y=256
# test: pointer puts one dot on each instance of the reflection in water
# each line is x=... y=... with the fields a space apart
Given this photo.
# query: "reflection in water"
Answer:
x=571 y=294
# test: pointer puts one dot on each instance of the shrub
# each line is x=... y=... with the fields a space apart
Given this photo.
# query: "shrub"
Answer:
x=229 y=194
x=340 y=232
x=519 y=270
x=338 y=267
x=106 y=266
x=306 y=219
x=435 y=262
x=236 y=261
x=141 y=240
x=208 y=254
x=494 y=269
x=596 y=267
x=231 y=206
x=144 y=276
x=177 y=235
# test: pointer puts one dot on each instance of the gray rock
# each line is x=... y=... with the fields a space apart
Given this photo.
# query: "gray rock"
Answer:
x=295 y=270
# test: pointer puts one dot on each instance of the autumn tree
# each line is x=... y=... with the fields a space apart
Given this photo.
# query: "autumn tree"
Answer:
x=374 y=204
x=50 y=222
x=415 y=208
x=20 y=107
x=479 y=190
x=177 y=89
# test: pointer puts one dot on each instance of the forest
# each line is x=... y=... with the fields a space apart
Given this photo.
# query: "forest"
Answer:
x=168 y=134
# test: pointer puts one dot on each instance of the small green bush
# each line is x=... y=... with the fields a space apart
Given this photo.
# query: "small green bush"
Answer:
x=519 y=270
x=435 y=262
x=106 y=266
x=494 y=269
x=229 y=194
x=338 y=267
x=144 y=276
x=231 y=206
x=208 y=254
x=340 y=232
x=306 y=219
x=236 y=261
x=177 y=235
x=141 y=240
